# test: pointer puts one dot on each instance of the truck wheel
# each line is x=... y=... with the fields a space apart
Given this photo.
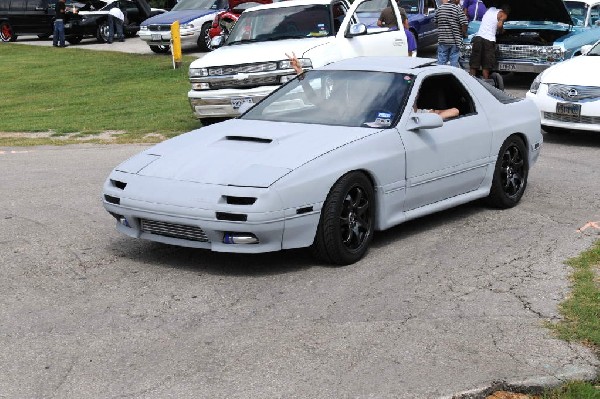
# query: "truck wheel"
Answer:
x=204 y=39
x=161 y=49
x=6 y=32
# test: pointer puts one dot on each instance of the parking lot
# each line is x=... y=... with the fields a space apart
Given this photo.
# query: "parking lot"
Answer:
x=449 y=304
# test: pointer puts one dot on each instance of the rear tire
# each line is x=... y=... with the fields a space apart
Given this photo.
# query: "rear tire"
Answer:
x=6 y=32
x=510 y=174
x=498 y=80
x=347 y=221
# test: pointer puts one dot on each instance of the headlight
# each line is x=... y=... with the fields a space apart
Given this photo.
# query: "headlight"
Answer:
x=287 y=78
x=198 y=72
x=143 y=28
x=187 y=26
x=535 y=85
x=304 y=63
x=200 y=86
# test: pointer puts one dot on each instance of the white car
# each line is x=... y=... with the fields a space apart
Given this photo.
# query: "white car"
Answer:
x=195 y=19
x=568 y=94
x=327 y=160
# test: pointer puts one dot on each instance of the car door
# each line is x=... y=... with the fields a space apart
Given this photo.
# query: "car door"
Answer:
x=18 y=16
x=450 y=160
x=39 y=19
x=374 y=40
x=428 y=33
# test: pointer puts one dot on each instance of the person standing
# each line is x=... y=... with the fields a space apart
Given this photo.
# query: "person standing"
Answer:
x=474 y=9
x=58 y=36
x=115 y=21
x=387 y=18
x=452 y=25
x=411 y=41
x=483 y=49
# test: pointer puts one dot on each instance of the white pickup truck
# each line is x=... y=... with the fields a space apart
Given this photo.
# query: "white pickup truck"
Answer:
x=252 y=62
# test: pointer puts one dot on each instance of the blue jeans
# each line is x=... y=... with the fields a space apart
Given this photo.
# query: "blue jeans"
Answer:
x=112 y=23
x=59 y=33
x=448 y=53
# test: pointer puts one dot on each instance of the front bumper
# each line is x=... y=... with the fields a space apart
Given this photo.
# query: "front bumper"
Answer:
x=589 y=118
x=194 y=218
x=225 y=103
x=163 y=38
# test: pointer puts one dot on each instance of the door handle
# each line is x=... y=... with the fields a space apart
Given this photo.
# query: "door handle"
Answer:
x=39 y=8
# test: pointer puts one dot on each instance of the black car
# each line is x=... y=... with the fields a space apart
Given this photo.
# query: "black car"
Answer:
x=35 y=17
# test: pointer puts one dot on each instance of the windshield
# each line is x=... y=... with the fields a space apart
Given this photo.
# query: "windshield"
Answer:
x=339 y=98
x=195 y=5
x=578 y=11
x=282 y=23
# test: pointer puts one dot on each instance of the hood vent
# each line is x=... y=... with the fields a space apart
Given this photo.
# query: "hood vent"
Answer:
x=249 y=139
x=239 y=200
x=232 y=217
x=118 y=184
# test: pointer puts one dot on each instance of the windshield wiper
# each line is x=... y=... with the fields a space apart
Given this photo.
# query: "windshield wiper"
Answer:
x=243 y=41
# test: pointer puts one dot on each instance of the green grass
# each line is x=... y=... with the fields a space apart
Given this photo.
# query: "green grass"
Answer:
x=581 y=311
x=581 y=319
x=65 y=91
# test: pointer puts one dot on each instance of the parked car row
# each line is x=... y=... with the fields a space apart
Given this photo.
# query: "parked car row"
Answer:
x=84 y=19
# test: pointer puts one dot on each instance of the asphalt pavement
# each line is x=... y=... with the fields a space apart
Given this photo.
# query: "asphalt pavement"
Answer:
x=450 y=305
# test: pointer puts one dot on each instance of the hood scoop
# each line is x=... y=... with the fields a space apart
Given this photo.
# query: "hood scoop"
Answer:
x=249 y=139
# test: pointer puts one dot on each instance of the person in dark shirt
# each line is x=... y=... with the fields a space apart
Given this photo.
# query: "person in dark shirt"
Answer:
x=388 y=19
x=58 y=36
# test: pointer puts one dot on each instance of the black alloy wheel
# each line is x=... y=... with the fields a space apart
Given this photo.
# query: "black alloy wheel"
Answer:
x=347 y=221
x=510 y=174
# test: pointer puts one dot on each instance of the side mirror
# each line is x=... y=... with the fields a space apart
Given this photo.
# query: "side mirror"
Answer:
x=430 y=11
x=586 y=49
x=424 y=120
x=356 y=30
x=217 y=41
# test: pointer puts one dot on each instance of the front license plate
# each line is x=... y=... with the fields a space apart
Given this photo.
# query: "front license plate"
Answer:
x=507 y=67
x=568 y=109
x=237 y=102
x=156 y=38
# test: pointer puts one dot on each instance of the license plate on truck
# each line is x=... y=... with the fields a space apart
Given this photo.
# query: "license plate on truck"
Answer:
x=507 y=67
x=237 y=102
x=156 y=38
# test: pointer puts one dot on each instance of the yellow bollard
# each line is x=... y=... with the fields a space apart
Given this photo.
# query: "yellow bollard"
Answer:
x=176 y=44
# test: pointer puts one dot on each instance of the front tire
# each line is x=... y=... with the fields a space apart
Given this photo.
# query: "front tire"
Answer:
x=102 y=32
x=204 y=39
x=347 y=221
x=510 y=174
x=6 y=32
x=161 y=49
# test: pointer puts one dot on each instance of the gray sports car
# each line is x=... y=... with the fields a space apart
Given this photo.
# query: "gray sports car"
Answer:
x=329 y=158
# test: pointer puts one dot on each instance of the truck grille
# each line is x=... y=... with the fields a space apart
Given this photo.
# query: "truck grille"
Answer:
x=507 y=52
x=253 y=81
x=586 y=120
x=573 y=93
x=192 y=233
x=246 y=68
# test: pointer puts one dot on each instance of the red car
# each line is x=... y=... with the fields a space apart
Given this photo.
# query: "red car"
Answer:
x=225 y=20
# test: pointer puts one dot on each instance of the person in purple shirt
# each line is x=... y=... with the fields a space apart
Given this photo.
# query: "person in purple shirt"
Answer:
x=410 y=38
x=474 y=9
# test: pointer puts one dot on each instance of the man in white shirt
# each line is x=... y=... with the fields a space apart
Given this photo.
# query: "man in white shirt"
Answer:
x=483 y=50
x=115 y=21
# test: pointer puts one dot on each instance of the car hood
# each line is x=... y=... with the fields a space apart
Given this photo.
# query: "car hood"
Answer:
x=241 y=152
x=234 y=3
x=578 y=71
x=183 y=16
x=260 y=52
x=536 y=10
